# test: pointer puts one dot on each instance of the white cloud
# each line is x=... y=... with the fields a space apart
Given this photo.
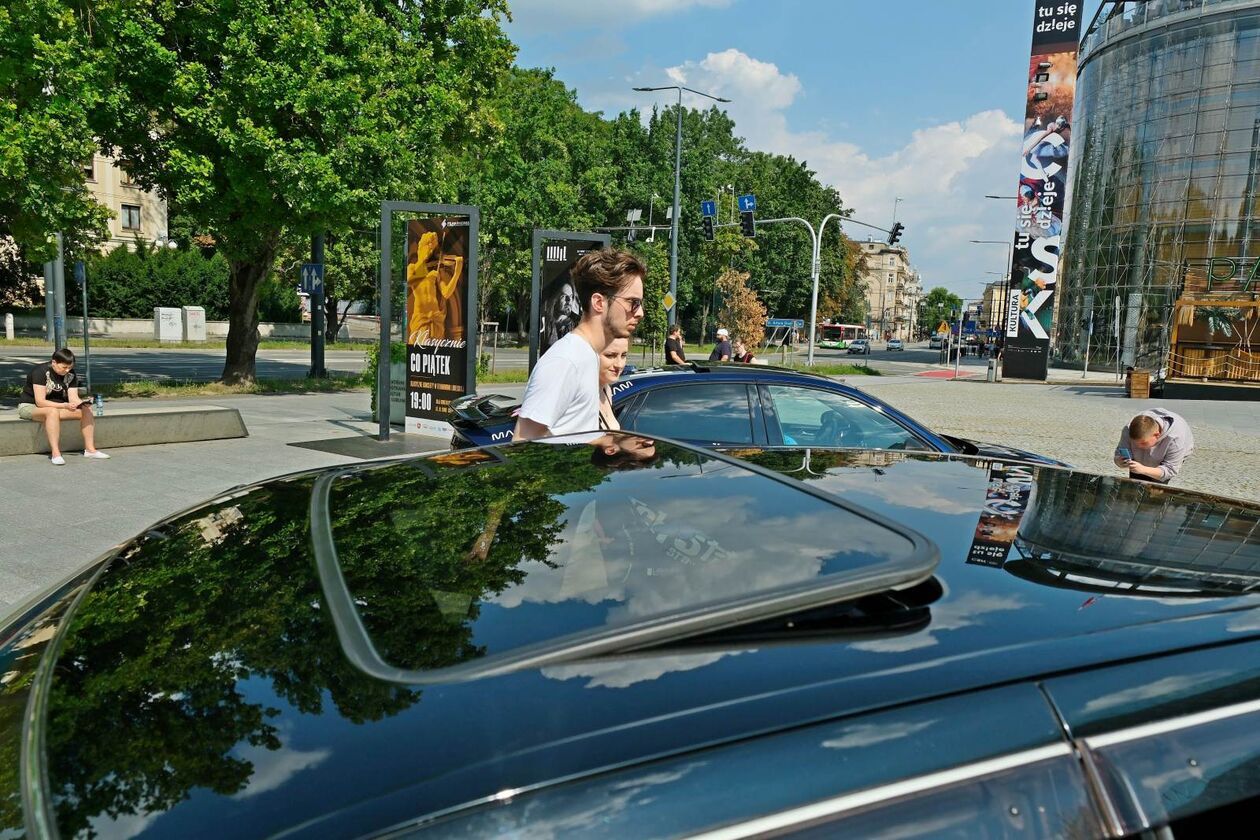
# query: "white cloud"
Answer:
x=557 y=15
x=941 y=172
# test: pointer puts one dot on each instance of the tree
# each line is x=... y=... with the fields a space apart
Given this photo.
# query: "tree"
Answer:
x=290 y=115
x=48 y=84
x=939 y=305
x=741 y=310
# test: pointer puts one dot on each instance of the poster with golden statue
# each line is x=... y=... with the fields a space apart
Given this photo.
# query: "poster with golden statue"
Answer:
x=437 y=320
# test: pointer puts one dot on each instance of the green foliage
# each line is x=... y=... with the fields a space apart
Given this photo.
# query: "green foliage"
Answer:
x=940 y=304
x=48 y=85
x=278 y=301
x=129 y=284
x=290 y=115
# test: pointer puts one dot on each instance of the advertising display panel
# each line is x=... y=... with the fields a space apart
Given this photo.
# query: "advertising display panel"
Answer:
x=555 y=308
x=1041 y=194
x=439 y=307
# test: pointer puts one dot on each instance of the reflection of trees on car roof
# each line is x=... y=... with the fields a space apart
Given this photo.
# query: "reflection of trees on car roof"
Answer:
x=161 y=643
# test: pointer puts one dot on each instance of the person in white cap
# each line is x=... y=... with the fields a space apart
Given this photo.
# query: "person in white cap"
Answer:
x=722 y=351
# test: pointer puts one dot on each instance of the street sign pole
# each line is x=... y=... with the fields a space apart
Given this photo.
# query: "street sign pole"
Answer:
x=80 y=275
x=315 y=270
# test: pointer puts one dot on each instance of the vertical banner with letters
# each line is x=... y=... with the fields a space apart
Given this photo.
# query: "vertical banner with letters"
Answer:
x=555 y=308
x=439 y=309
x=1041 y=194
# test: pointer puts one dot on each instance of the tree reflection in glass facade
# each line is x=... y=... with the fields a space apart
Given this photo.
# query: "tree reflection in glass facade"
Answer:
x=1167 y=129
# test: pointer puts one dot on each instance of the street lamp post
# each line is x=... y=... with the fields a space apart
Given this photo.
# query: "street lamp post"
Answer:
x=673 y=236
x=1006 y=286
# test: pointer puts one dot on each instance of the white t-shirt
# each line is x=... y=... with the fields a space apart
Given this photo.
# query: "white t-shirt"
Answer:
x=563 y=390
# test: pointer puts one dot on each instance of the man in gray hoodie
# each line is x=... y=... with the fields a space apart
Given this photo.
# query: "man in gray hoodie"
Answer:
x=1154 y=444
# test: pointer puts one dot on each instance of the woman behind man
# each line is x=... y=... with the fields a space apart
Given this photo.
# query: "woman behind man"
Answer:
x=612 y=361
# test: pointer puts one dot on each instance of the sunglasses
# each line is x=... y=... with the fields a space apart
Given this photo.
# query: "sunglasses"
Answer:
x=636 y=304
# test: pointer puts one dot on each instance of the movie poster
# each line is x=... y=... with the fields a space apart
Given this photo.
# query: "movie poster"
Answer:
x=1005 y=500
x=438 y=310
x=1042 y=190
x=556 y=305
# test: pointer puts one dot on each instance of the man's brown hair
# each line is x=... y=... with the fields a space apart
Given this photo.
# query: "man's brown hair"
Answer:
x=605 y=272
x=1142 y=427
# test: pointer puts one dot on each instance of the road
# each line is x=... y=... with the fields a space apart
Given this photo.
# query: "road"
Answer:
x=114 y=364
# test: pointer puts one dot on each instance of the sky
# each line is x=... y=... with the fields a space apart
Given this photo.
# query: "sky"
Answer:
x=921 y=100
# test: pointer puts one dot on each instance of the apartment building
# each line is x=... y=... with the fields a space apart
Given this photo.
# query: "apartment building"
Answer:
x=893 y=291
x=137 y=212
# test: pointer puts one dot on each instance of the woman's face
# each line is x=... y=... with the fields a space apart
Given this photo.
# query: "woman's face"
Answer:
x=613 y=361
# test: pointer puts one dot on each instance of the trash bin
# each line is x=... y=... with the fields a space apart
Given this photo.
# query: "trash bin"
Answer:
x=991 y=375
x=1140 y=384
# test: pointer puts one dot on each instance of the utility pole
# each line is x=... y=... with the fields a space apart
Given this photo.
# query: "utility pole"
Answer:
x=80 y=275
x=673 y=228
x=317 y=312
x=59 y=295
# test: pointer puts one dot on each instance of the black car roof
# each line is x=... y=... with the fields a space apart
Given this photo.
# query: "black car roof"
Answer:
x=211 y=634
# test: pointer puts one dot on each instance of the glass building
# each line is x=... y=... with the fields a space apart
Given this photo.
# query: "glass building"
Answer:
x=1162 y=232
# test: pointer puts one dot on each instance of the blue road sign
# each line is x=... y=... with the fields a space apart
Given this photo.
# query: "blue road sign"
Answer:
x=747 y=203
x=790 y=323
x=708 y=208
x=312 y=278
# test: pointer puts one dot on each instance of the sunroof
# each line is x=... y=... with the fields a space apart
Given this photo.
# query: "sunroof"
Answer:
x=535 y=553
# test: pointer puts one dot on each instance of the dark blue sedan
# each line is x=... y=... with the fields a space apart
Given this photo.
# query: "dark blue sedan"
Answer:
x=724 y=405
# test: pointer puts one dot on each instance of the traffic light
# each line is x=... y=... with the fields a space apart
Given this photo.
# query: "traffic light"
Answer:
x=746 y=224
x=895 y=233
x=707 y=222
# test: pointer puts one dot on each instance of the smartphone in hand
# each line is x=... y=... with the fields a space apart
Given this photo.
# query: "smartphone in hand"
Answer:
x=1125 y=453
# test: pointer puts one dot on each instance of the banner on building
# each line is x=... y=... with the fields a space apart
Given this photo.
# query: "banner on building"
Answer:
x=1041 y=195
x=555 y=308
x=439 y=308
x=1005 y=501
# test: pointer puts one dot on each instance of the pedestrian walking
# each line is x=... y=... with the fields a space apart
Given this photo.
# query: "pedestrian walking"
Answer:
x=51 y=396
x=562 y=396
x=722 y=350
x=1154 y=445
x=674 y=353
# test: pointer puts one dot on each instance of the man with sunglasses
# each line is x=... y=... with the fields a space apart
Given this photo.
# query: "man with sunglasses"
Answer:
x=562 y=396
x=50 y=396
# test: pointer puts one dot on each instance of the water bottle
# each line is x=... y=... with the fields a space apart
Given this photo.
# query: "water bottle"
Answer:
x=98 y=405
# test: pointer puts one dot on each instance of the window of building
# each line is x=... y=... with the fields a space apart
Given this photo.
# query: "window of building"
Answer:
x=89 y=169
x=131 y=217
x=124 y=178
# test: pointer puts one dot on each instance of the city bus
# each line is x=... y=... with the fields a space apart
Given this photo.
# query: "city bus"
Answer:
x=838 y=336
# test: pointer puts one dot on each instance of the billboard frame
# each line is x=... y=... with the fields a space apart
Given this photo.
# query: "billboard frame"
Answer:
x=535 y=294
x=385 y=279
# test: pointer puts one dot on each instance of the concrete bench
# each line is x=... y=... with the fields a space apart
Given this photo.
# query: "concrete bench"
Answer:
x=131 y=426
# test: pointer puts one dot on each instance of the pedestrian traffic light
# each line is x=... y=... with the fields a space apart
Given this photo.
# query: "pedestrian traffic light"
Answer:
x=707 y=222
x=895 y=233
x=746 y=224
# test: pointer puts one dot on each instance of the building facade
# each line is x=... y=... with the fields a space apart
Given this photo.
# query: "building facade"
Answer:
x=893 y=290
x=1161 y=268
x=138 y=213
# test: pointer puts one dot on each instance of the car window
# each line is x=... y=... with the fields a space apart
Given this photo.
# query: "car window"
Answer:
x=813 y=417
x=709 y=412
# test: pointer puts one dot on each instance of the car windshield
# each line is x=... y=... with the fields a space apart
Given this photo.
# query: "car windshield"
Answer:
x=503 y=549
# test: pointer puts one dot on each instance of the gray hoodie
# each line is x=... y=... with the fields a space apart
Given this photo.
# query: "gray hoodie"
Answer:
x=1175 y=444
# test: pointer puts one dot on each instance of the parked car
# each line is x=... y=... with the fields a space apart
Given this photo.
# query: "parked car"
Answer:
x=895 y=344
x=859 y=346
x=637 y=638
x=936 y=342
x=740 y=405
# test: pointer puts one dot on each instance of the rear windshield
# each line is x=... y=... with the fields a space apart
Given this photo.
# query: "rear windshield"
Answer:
x=473 y=554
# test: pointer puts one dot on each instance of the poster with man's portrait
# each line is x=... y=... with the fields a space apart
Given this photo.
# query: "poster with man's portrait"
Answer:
x=556 y=305
x=437 y=320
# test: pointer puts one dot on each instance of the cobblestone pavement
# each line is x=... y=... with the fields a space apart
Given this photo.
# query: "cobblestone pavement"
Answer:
x=1080 y=424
